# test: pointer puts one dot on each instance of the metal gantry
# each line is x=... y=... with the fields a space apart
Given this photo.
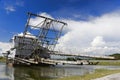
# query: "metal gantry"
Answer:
x=47 y=30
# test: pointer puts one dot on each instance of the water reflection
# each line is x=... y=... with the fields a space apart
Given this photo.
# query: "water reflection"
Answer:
x=46 y=73
x=40 y=73
x=6 y=72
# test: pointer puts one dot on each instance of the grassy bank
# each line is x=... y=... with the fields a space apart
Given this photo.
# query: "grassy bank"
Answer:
x=107 y=62
x=97 y=74
x=2 y=59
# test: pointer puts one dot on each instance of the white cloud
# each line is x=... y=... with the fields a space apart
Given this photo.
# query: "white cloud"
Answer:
x=12 y=6
x=4 y=46
x=98 y=35
x=98 y=41
x=10 y=9
x=37 y=20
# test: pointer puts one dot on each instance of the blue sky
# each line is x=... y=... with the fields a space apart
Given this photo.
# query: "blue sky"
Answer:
x=13 y=12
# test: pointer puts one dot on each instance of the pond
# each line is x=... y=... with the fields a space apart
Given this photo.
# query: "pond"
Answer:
x=46 y=73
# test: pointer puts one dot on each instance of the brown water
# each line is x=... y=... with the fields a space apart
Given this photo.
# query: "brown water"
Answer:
x=46 y=73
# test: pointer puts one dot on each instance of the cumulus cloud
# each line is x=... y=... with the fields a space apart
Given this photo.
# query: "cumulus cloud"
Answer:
x=98 y=35
x=98 y=41
x=5 y=46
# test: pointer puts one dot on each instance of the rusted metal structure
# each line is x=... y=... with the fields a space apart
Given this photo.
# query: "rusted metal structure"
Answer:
x=49 y=30
x=38 y=39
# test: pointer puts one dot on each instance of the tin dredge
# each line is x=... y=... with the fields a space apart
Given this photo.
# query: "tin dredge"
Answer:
x=37 y=43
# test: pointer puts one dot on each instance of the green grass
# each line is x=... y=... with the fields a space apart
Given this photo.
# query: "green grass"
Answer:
x=97 y=74
x=107 y=62
x=2 y=59
x=114 y=63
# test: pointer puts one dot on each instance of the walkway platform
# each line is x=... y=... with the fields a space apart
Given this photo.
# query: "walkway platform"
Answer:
x=49 y=62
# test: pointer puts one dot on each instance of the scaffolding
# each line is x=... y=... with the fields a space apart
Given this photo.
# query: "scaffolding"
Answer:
x=49 y=30
x=45 y=33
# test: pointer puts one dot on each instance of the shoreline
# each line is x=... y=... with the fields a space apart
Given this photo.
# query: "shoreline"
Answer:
x=115 y=76
x=92 y=76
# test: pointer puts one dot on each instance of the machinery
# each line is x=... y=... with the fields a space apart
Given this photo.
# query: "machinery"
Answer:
x=39 y=37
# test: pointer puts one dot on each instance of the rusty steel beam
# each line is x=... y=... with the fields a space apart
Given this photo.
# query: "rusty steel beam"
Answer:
x=46 y=18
